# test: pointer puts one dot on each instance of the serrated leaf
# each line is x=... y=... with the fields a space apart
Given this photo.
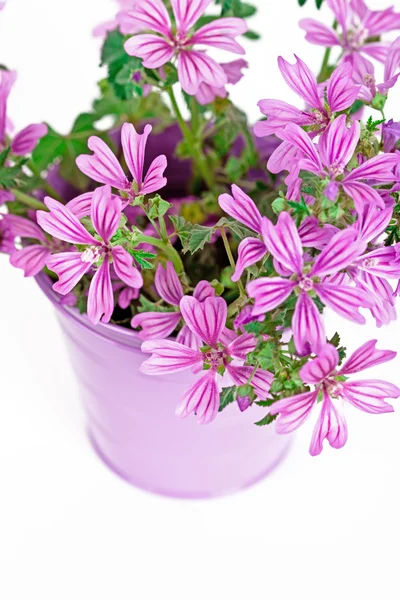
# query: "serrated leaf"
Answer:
x=227 y=396
x=198 y=237
x=267 y=420
x=142 y=258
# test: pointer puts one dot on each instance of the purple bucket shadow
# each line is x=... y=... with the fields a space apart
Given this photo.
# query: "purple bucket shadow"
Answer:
x=132 y=424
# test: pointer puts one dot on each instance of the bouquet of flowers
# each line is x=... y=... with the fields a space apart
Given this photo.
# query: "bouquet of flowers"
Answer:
x=218 y=245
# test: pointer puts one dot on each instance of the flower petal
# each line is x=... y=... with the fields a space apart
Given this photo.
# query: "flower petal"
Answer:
x=269 y=292
x=260 y=379
x=154 y=50
x=203 y=290
x=100 y=297
x=293 y=411
x=134 y=147
x=27 y=139
x=206 y=319
x=221 y=33
x=369 y=395
x=308 y=327
x=302 y=81
x=202 y=398
x=61 y=223
x=156 y=325
x=320 y=368
x=124 y=268
x=188 y=12
x=195 y=67
x=319 y=34
x=155 y=179
x=31 y=259
x=151 y=14
x=365 y=357
x=168 y=284
x=344 y=300
x=70 y=269
x=250 y=251
x=168 y=357
x=241 y=207
x=241 y=346
x=102 y=165
x=283 y=241
x=105 y=213
x=343 y=248
x=331 y=425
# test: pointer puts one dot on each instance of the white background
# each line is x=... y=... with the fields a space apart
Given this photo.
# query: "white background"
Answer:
x=323 y=528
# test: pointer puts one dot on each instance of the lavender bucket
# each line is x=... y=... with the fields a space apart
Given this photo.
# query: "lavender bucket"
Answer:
x=132 y=426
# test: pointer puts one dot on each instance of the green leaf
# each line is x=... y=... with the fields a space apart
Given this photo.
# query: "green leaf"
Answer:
x=356 y=107
x=235 y=227
x=113 y=48
x=142 y=258
x=199 y=236
x=227 y=396
x=49 y=148
x=4 y=156
x=252 y=35
x=267 y=420
x=147 y=305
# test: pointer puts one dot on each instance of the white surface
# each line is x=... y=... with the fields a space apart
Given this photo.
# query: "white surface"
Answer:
x=324 y=528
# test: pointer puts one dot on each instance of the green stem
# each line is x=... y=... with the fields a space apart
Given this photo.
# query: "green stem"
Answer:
x=198 y=157
x=323 y=75
x=28 y=200
x=45 y=185
x=232 y=260
x=167 y=248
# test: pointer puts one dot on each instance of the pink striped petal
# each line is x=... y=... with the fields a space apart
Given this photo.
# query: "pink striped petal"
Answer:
x=250 y=251
x=296 y=136
x=344 y=300
x=369 y=395
x=308 y=327
x=81 y=206
x=168 y=357
x=268 y=293
x=206 y=319
x=126 y=295
x=168 y=285
x=382 y=262
x=241 y=207
x=379 y=168
x=319 y=34
x=302 y=81
x=221 y=33
x=331 y=425
x=293 y=411
x=125 y=270
x=260 y=379
x=363 y=195
x=314 y=236
x=100 y=297
x=283 y=241
x=155 y=179
x=102 y=165
x=365 y=357
x=242 y=346
x=343 y=248
x=27 y=139
x=156 y=325
x=154 y=50
x=188 y=12
x=70 y=269
x=188 y=338
x=24 y=228
x=31 y=259
x=105 y=213
x=150 y=14
x=202 y=398
x=196 y=67
x=320 y=368
x=134 y=147
x=371 y=222
x=61 y=223
x=203 y=290
x=339 y=142
x=342 y=92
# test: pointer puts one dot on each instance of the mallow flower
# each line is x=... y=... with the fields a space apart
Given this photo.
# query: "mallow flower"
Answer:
x=157 y=325
x=304 y=279
x=332 y=387
x=207 y=320
x=341 y=92
x=92 y=252
x=104 y=167
x=180 y=39
x=358 y=28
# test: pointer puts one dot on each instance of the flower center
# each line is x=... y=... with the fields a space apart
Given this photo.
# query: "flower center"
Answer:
x=90 y=254
x=306 y=284
x=214 y=358
x=368 y=263
x=180 y=40
x=334 y=388
x=356 y=37
x=337 y=168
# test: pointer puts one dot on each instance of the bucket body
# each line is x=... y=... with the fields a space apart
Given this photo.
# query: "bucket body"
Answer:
x=132 y=425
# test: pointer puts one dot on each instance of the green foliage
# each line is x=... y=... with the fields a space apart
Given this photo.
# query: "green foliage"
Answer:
x=373 y=126
x=157 y=207
x=198 y=237
x=121 y=66
x=10 y=176
x=147 y=305
x=227 y=396
x=182 y=227
x=142 y=258
x=318 y=3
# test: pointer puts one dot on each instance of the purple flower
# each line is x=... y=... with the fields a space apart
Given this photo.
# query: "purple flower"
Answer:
x=30 y=258
x=157 y=325
x=103 y=165
x=283 y=242
x=70 y=267
x=104 y=28
x=253 y=249
x=207 y=93
x=7 y=244
x=356 y=25
x=341 y=93
x=330 y=158
x=194 y=67
x=391 y=135
x=367 y=395
x=26 y=140
x=207 y=320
